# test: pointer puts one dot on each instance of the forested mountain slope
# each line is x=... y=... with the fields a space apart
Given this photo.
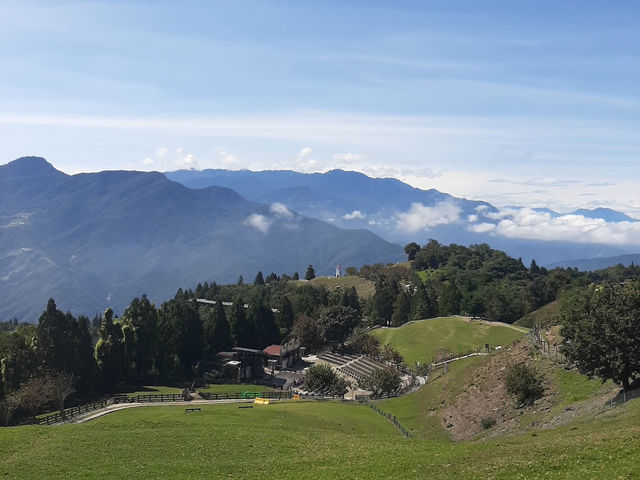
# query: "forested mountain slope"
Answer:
x=99 y=239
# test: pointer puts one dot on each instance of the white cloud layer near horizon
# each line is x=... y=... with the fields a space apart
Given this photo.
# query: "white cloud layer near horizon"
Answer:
x=526 y=223
x=521 y=223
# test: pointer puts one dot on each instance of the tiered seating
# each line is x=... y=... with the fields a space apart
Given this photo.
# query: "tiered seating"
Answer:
x=335 y=358
x=360 y=367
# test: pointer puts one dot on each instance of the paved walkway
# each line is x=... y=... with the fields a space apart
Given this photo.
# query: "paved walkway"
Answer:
x=460 y=358
x=121 y=406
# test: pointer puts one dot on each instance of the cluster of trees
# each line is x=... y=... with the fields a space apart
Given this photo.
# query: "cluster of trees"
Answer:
x=49 y=389
x=477 y=281
x=168 y=343
x=601 y=331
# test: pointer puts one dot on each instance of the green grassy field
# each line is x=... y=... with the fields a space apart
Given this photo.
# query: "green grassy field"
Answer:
x=308 y=440
x=421 y=340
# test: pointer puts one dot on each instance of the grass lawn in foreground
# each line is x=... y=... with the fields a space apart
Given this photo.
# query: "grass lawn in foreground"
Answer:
x=311 y=440
x=421 y=340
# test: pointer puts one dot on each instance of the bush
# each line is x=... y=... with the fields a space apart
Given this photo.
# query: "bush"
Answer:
x=321 y=378
x=524 y=383
x=391 y=354
x=382 y=381
x=487 y=422
x=422 y=369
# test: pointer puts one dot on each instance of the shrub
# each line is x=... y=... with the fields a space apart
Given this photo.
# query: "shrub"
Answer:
x=524 y=383
x=382 y=381
x=391 y=354
x=487 y=422
x=322 y=379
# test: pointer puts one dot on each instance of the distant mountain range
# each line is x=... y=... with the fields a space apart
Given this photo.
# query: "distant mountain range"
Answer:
x=399 y=212
x=97 y=240
x=587 y=264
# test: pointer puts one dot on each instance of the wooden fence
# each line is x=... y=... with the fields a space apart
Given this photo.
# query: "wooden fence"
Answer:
x=391 y=418
x=552 y=351
x=70 y=413
x=245 y=395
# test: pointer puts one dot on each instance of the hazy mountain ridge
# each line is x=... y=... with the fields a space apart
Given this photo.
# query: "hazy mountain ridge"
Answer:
x=401 y=213
x=587 y=264
x=98 y=239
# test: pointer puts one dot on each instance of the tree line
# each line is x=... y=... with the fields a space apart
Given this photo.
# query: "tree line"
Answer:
x=443 y=280
x=172 y=343
x=176 y=341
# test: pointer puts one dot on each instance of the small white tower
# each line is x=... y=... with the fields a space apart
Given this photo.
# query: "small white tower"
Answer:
x=338 y=271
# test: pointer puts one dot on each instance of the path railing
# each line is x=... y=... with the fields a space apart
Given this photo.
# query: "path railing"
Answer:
x=243 y=395
x=70 y=413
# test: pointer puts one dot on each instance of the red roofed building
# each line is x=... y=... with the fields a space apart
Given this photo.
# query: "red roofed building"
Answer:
x=283 y=355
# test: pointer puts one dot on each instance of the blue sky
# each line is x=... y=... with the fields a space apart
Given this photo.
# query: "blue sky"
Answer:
x=531 y=103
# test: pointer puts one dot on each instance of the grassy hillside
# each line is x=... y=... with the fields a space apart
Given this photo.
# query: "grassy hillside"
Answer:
x=545 y=316
x=452 y=405
x=420 y=411
x=421 y=340
x=309 y=440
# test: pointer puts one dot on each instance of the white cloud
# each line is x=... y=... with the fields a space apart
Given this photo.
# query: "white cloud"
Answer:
x=482 y=227
x=349 y=157
x=259 y=222
x=147 y=161
x=472 y=218
x=356 y=214
x=305 y=153
x=228 y=160
x=161 y=152
x=305 y=163
x=281 y=210
x=420 y=217
x=527 y=223
x=189 y=161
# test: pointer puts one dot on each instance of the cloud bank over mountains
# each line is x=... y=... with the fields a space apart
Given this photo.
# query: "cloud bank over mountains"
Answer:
x=521 y=223
x=528 y=223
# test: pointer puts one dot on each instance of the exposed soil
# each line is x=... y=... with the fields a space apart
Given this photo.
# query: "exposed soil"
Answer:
x=486 y=397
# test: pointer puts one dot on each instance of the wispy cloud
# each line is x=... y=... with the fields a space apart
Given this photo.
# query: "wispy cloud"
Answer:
x=259 y=222
x=349 y=157
x=411 y=63
x=280 y=210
